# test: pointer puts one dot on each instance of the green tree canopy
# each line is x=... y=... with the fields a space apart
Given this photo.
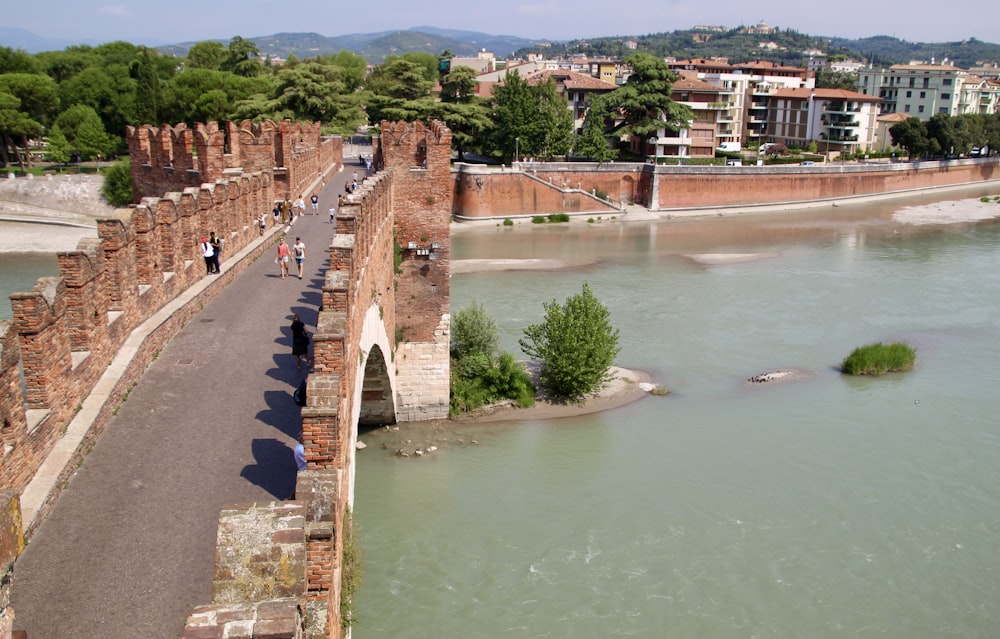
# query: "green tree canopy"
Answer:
x=643 y=103
x=593 y=143
x=911 y=134
x=575 y=346
x=207 y=54
x=465 y=113
x=529 y=120
x=242 y=58
x=473 y=331
x=84 y=132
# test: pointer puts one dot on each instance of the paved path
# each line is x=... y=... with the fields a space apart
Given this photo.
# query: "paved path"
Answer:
x=128 y=549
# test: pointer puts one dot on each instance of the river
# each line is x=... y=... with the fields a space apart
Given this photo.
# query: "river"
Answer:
x=818 y=506
x=821 y=506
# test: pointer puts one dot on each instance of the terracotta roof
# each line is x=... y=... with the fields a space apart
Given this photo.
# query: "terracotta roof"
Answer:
x=894 y=117
x=689 y=81
x=826 y=94
x=571 y=80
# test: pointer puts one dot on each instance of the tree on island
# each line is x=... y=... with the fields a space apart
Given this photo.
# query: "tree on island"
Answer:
x=575 y=346
x=479 y=375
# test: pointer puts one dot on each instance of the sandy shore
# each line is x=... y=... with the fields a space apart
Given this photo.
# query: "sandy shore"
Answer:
x=626 y=387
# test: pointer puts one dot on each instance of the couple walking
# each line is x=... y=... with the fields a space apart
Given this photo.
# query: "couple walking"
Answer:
x=284 y=254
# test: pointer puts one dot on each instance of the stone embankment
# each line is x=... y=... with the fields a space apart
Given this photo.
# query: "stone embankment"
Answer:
x=74 y=200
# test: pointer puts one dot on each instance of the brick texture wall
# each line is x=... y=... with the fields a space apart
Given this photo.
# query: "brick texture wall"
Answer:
x=173 y=158
x=66 y=331
x=551 y=187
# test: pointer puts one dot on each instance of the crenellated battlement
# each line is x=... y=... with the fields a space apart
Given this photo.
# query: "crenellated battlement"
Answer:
x=173 y=158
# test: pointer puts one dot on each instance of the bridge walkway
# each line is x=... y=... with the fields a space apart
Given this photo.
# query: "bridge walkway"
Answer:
x=128 y=549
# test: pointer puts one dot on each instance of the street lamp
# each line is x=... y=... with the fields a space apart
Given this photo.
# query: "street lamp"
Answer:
x=517 y=148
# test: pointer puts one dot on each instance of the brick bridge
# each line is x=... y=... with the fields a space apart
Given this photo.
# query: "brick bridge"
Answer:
x=70 y=355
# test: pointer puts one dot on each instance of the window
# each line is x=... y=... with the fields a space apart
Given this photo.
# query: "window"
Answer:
x=945 y=96
x=920 y=109
x=943 y=110
x=946 y=82
x=927 y=82
x=912 y=80
x=923 y=94
x=906 y=108
x=909 y=94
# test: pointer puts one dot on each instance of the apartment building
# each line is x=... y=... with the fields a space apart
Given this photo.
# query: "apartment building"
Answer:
x=708 y=103
x=838 y=121
x=920 y=90
x=745 y=89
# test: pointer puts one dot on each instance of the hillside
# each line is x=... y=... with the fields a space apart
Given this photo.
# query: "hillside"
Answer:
x=374 y=47
x=785 y=46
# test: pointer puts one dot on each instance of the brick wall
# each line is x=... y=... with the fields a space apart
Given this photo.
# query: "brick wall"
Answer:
x=65 y=332
x=552 y=187
x=173 y=158
x=11 y=545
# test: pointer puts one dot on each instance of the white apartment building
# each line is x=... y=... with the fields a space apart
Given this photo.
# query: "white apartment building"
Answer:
x=838 y=121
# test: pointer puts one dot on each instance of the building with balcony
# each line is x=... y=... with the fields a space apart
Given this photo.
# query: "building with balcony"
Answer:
x=838 y=121
x=920 y=90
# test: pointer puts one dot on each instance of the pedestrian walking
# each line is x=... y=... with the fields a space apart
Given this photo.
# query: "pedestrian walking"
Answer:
x=315 y=203
x=333 y=214
x=282 y=259
x=300 y=342
x=300 y=254
x=300 y=206
x=216 y=243
x=207 y=253
x=262 y=223
x=276 y=213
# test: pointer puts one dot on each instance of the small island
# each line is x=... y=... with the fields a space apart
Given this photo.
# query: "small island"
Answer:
x=878 y=359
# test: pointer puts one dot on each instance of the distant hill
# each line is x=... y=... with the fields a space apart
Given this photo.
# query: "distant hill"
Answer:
x=785 y=46
x=374 y=47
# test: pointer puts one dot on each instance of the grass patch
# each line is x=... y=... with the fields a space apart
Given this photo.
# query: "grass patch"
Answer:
x=508 y=222
x=878 y=359
x=558 y=217
x=538 y=219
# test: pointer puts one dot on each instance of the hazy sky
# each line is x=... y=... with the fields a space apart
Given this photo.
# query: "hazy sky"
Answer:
x=148 y=21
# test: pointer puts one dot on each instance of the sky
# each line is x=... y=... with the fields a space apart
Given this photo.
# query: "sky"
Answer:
x=151 y=22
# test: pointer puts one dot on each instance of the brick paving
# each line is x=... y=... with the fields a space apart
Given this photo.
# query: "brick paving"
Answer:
x=128 y=550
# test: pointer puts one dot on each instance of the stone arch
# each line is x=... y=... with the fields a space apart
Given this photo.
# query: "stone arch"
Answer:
x=374 y=393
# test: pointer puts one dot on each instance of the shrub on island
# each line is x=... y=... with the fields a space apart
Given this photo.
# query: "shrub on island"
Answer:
x=878 y=359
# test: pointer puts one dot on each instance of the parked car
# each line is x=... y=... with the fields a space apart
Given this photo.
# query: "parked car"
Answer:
x=807 y=163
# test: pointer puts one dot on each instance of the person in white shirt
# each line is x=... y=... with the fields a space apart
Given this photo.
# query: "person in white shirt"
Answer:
x=299 y=251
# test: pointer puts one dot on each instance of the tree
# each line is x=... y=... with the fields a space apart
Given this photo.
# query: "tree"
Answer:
x=147 y=89
x=59 y=147
x=552 y=135
x=478 y=375
x=465 y=113
x=473 y=331
x=643 y=103
x=15 y=124
x=513 y=112
x=208 y=54
x=117 y=187
x=400 y=90
x=242 y=58
x=846 y=80
x=592 y=143
x=314 y=91
x=575 y=346
x=911 y=134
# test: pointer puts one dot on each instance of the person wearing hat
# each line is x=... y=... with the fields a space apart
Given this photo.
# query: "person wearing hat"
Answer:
x=208 y=253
